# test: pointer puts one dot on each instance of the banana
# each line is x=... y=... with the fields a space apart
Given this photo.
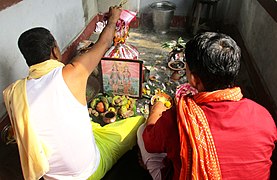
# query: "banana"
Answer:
x=106 y=102
x=124 y=101
x=114 y=101
x=112 y=109
x=94 y=102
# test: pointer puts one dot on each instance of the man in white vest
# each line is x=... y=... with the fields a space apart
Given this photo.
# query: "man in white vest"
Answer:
x=49 y=115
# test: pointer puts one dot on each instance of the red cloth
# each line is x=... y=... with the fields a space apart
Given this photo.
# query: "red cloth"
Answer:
x=244 y=134
x=164 y=137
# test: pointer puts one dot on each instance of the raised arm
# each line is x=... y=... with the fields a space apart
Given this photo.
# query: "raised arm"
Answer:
x=77 y=72
x=156 y=112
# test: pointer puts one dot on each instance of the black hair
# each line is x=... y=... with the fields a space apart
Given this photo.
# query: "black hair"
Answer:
x=214 y=58
x=36 y=44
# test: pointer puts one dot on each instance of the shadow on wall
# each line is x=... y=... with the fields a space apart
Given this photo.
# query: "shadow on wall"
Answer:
x=85 y=7
x=6 y=77
x=5 y=70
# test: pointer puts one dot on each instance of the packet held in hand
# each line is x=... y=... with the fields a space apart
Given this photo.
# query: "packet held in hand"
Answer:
x=120 y=49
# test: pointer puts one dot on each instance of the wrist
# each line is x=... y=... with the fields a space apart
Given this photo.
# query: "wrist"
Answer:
x=153 y=118
x=156 y=114
x=112 y=21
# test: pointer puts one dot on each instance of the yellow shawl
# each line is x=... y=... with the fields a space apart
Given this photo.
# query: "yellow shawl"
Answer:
x=33 y=153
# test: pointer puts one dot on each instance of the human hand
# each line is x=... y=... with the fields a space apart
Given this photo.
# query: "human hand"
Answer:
x=158 y=107
x=156 y=112
x=114 y=13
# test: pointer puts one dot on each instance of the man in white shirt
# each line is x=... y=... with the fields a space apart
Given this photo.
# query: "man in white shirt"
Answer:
x=56 y=139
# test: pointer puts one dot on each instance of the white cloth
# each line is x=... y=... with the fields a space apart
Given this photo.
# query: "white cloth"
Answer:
x=64 y=125
x=153 y=161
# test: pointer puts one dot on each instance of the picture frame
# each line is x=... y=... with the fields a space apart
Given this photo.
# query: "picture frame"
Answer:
x=121 y=76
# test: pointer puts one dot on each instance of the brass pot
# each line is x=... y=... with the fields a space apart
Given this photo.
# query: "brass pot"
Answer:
x=109 y=117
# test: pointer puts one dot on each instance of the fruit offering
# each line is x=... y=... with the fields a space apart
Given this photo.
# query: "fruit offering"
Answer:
x=123 y=106
x=99 y=105
x=164 y=98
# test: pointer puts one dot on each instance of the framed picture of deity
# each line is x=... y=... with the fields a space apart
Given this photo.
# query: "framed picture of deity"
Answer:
x=122 y=76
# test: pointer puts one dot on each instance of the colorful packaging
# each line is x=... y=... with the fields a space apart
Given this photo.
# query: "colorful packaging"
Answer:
x=120 y=49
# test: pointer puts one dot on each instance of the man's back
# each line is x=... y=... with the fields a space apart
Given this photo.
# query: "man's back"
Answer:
x=244 y=135
x=63 y=124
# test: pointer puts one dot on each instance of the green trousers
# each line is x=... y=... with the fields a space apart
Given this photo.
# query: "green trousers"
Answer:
x=113 y=141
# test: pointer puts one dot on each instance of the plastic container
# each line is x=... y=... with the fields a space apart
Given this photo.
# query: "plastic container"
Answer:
x=162 y=15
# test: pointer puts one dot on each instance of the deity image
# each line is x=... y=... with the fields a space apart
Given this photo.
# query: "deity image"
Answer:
x=114 y=77
x=126 y=79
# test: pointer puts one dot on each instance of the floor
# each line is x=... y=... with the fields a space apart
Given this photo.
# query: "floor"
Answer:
x=149 y=46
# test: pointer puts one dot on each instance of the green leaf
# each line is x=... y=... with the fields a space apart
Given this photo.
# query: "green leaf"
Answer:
x=174 y=44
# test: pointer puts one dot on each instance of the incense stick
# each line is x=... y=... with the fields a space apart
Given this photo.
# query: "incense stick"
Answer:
x=122 y=3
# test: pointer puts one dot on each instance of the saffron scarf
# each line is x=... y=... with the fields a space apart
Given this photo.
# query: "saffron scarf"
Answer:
x=198 y=152
x=33 y=152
